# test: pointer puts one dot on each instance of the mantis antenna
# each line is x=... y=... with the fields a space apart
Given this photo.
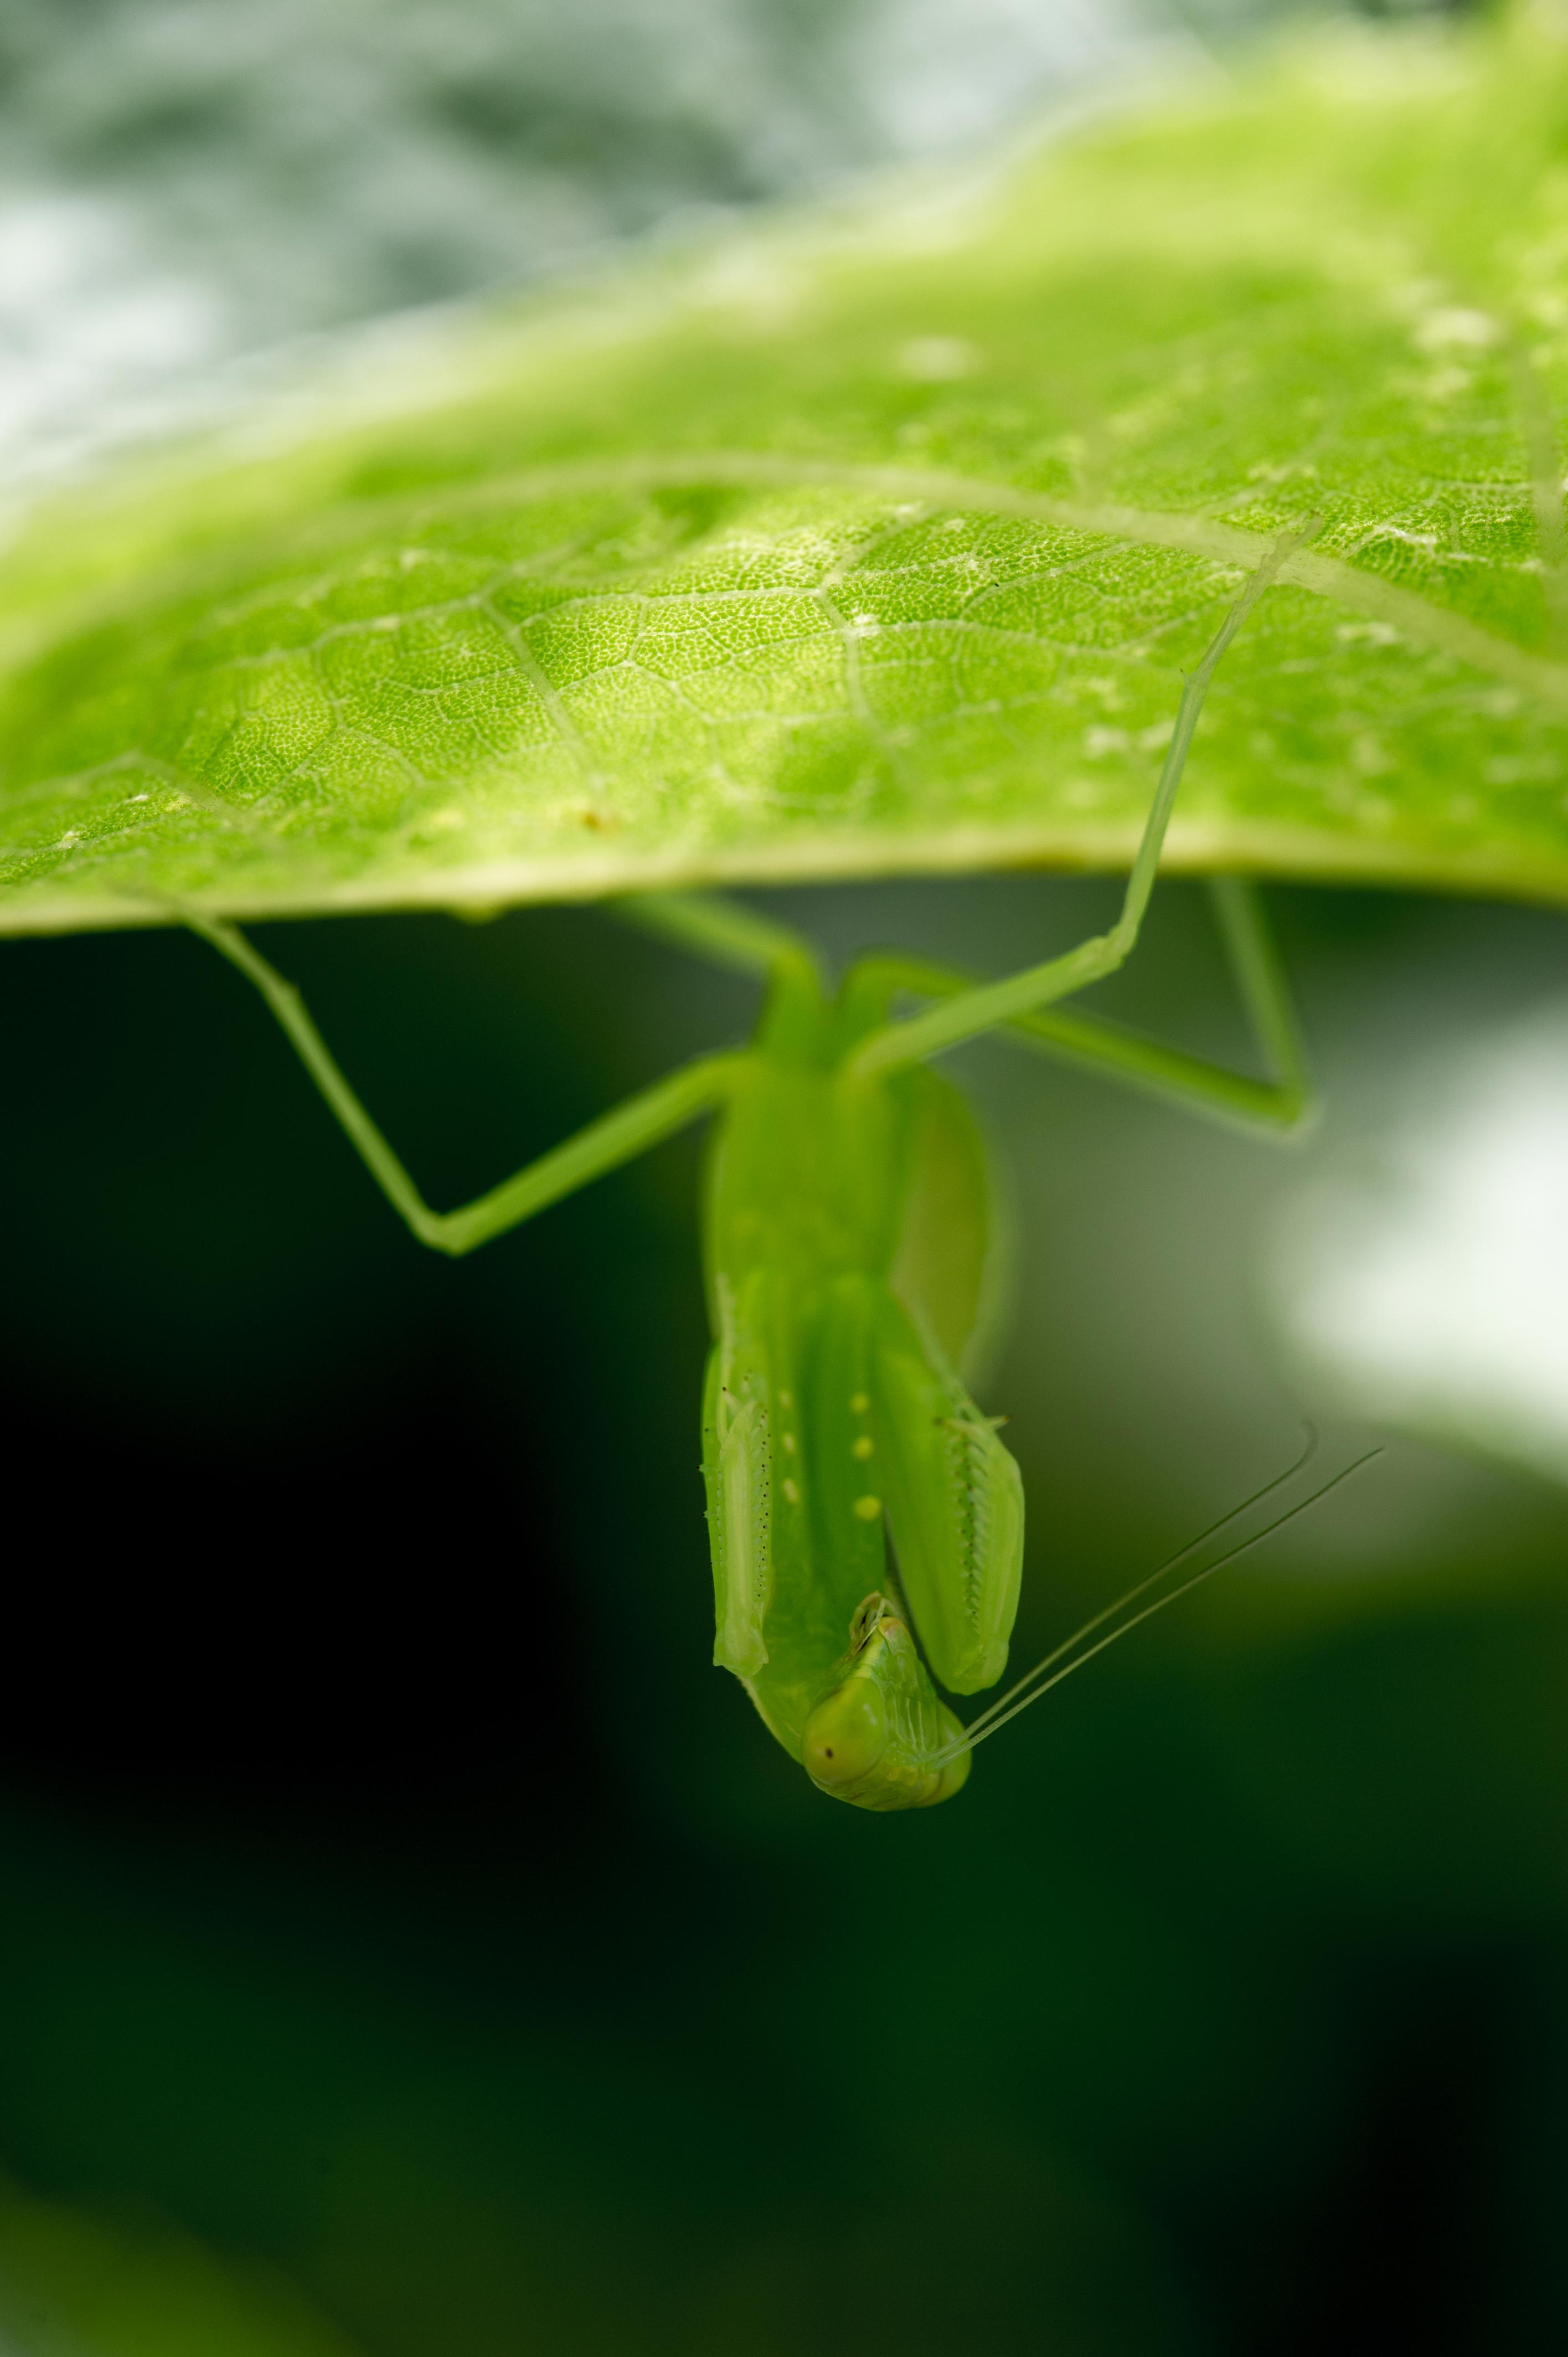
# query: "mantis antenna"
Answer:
x=1016 y=1698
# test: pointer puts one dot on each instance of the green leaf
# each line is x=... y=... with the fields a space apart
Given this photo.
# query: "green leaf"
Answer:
x=876 y=540
x=73 y=2284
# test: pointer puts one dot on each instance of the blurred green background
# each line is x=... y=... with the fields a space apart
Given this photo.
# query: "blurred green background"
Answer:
x=411 y=1945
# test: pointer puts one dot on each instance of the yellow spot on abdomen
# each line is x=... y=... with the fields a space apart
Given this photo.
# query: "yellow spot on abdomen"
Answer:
x=792 y=1491
x=863 y=1447
x=867 y=1508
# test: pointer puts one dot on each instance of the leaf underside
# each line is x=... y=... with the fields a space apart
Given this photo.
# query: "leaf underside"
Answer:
x=876 y=540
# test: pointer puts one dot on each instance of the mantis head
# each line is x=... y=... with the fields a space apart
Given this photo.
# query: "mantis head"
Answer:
x=871 y=1739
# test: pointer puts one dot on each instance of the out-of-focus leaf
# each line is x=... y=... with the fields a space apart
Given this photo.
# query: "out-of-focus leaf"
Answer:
x=73 y=2284
x=874 y=541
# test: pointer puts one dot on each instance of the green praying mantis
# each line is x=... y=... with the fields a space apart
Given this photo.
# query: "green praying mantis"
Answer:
x=849 y=1220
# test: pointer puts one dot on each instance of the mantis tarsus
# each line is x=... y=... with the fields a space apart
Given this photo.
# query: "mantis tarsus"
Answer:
x=848 y=1228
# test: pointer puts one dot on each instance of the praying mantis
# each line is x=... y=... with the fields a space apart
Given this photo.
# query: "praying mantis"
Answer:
x=848 y=1224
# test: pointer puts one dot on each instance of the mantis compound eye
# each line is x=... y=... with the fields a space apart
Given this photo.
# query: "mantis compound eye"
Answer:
x=845 y=1736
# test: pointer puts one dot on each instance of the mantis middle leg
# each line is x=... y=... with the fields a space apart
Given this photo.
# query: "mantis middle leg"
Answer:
x=1283 y=1105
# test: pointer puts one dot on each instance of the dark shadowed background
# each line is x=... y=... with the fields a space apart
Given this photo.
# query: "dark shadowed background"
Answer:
x=393 y=1896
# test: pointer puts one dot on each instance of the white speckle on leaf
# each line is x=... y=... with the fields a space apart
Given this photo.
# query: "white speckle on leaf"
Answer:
x=1098 y=742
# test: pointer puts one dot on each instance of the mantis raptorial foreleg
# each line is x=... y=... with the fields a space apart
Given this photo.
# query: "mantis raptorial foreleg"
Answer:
x=643 y=1121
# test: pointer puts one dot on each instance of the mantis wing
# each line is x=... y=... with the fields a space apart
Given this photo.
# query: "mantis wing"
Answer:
x=950 y=1269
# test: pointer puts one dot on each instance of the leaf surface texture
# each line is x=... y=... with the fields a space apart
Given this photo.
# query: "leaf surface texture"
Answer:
x=874 y=539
